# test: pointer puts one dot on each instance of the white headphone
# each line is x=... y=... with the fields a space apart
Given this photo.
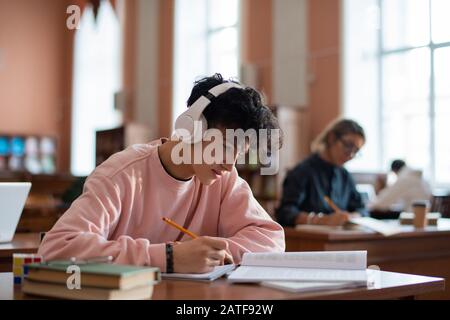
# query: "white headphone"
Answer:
x=191 y=125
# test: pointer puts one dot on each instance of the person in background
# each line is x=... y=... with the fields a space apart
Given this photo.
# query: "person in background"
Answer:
x=322 y=174
x=409 y=187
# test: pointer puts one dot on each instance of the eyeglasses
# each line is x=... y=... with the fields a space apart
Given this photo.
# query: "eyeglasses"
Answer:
x=350 y=148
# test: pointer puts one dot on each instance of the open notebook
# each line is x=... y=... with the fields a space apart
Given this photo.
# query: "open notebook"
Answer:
x=330 y=266
x=209 y=276
x=385 y=228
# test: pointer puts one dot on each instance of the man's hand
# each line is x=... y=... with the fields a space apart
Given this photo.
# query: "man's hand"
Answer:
x=200 y=255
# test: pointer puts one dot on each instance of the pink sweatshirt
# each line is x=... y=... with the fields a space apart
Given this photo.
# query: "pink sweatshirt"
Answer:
x=120 y=213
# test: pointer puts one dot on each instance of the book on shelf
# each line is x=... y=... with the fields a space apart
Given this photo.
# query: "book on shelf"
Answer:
x=330 y=266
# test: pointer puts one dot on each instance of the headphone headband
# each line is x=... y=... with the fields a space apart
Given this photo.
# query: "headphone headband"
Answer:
x=223 y=87
x=191 y=124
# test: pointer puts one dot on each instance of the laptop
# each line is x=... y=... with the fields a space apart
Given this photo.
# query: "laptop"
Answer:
x=12 y=200
x=367 y=192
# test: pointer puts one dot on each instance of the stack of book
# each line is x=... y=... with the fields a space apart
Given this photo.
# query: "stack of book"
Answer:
x=90 y=281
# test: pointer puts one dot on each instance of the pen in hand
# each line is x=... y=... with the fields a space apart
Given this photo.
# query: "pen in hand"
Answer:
x=228 y=257
x=186 y=231
x=332 y=205
x=337 y=210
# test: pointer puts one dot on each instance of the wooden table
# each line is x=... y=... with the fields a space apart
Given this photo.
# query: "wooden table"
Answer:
x=387 y=285
x=22 y=243
x=415 y=251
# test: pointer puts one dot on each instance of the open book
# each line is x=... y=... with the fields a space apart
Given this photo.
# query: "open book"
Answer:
x=298 y=286
x=209 y=276
x=386 y=229
x=330 y=266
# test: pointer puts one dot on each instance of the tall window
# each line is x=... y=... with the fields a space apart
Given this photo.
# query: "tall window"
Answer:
x=411 y=59
x=97 y=76
x=206 y=42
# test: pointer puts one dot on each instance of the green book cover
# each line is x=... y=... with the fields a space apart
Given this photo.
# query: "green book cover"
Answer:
x=106 y=269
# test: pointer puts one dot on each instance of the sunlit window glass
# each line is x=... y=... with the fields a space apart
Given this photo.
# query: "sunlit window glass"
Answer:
x=208 y=46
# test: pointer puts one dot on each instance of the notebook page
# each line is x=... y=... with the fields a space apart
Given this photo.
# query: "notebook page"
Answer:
x=379 y=226
x=259 y=274
x=301 y=286
x=345 y=260
x=209 y=276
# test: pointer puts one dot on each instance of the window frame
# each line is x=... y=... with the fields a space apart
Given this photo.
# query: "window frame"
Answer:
x=209 y=32
x=383 y=53
x=86 y=149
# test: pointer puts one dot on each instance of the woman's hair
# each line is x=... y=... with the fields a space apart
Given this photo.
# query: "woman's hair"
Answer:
x=236 y=108
x=337 y=128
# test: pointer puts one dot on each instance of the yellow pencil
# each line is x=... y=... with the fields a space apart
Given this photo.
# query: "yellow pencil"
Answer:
x=173 y=224
x=332 y=204
x=228 y=258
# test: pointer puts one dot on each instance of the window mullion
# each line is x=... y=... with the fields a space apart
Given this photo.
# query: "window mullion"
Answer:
x=402 y=50
x=380 y=88
x=432 y=104
x=208 y=38
x=217 y=29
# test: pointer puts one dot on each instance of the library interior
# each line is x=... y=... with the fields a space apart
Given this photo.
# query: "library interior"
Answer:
x=324 y=171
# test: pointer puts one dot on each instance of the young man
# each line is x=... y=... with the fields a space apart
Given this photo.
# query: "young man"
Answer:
x=120 y=211
x=409 y=187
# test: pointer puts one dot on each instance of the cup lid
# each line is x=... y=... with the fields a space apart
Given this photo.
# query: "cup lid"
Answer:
x=421 y=203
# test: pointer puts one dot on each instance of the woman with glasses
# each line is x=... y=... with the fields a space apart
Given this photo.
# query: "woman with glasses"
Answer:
x=322 y=175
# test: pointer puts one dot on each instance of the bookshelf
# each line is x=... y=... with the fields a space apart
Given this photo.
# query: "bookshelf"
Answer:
x=108 y=142
x=267 y=189
x=45 y=203
x=264 y=187
x=114 y=140
x=32 y=154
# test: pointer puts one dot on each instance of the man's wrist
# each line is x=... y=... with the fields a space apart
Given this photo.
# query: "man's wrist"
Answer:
x=169 y=258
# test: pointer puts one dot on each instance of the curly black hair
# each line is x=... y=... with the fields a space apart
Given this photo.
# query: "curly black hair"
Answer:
x=236 y=108
x=397 y=165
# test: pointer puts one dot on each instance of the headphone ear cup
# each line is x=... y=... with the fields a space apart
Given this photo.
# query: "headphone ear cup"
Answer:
x=184 y=127
x=190 y=131
x=191 y=126
x=200 y=127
